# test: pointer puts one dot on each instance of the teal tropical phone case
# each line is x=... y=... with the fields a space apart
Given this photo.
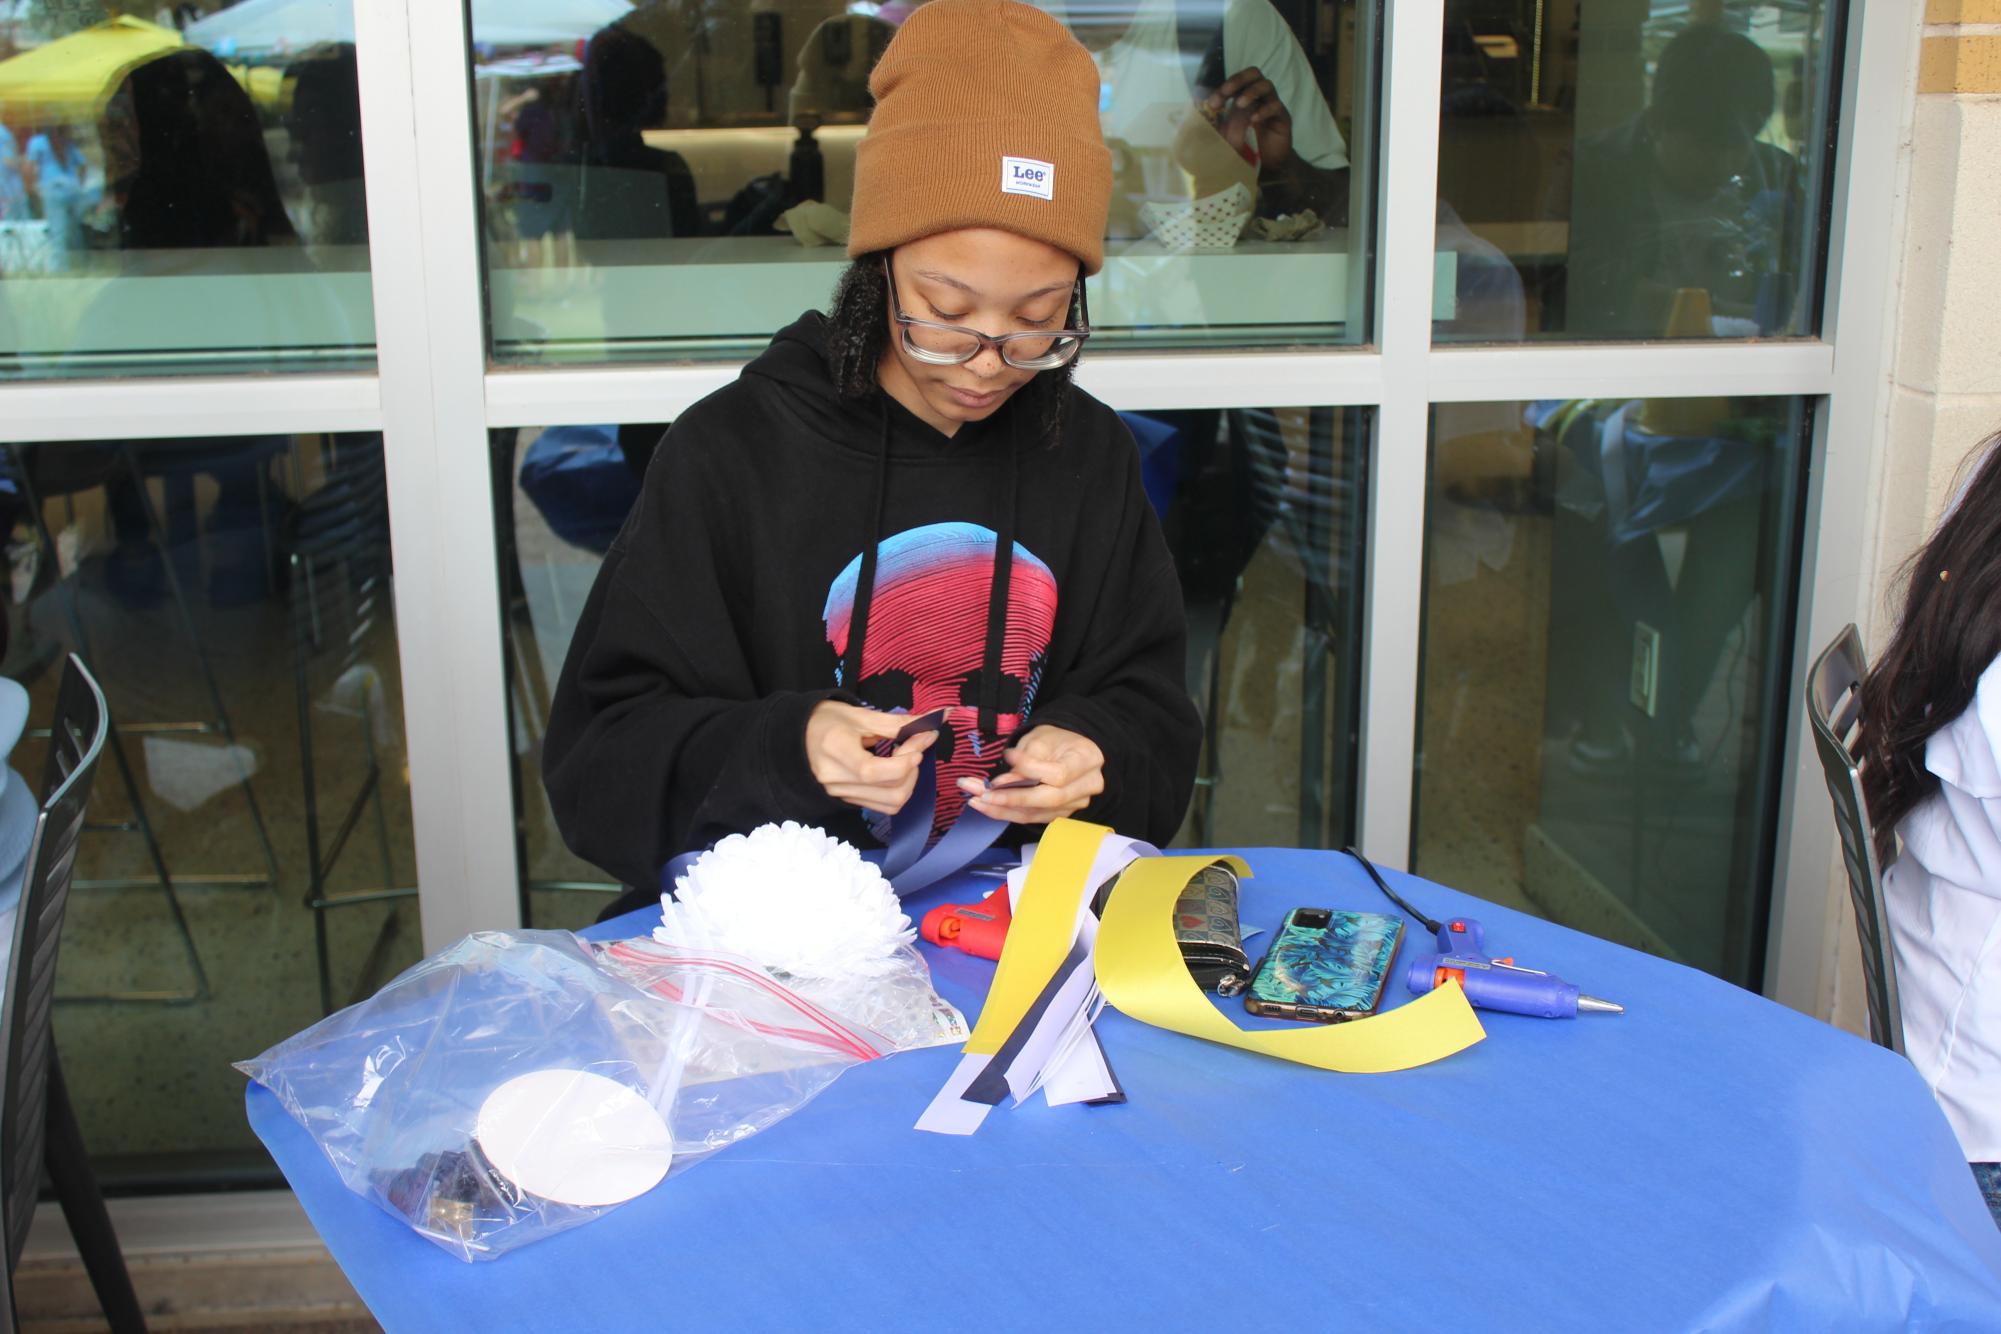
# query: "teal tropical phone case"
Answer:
x=1339 y=967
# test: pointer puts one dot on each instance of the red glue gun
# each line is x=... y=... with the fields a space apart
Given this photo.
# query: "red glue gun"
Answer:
x=977 y=928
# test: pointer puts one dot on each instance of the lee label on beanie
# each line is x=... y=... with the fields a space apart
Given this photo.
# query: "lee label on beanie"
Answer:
x=1026 y=176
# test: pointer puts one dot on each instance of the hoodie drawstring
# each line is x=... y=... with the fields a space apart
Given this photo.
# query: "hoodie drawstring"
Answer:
x=851 y=661
x=997 y=597
x=990 y=670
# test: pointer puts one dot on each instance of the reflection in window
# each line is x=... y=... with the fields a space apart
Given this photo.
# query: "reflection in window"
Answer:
x=150 y=170
x=1636 y=170
x=1261 y=508
x=1156 y=60
x=678 y=175
x=248 y=861
x=1609 y=589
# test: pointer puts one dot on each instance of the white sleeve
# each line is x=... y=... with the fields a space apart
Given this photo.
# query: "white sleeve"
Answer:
x=1254 y=34
x=1966 y=752
x=1956 y=835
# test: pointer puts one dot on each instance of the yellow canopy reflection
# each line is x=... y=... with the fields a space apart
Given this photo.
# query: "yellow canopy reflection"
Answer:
x=72 y=77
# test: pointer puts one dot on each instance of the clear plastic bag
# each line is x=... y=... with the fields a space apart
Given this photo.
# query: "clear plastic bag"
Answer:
x=392 y=1089
x=898 y=1007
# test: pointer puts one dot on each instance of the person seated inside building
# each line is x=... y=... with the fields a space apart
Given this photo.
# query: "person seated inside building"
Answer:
x=627 y=190
x=1685 y=196
x=1238 y=65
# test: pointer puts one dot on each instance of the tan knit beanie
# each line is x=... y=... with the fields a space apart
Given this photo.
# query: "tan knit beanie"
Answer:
x=986 y=115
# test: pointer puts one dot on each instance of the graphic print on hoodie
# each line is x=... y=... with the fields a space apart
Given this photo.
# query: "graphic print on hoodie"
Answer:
x=926 y=641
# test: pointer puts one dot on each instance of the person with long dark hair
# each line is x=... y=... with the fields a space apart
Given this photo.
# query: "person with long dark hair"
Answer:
x=186 y=160
x=186 y=163
x=900 y=507
x=1931 y=775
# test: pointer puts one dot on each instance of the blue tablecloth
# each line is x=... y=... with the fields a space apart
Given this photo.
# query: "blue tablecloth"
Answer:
x=1709 y=1160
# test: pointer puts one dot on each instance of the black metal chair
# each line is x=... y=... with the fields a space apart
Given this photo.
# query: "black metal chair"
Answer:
x=1834 y=708
x=45 y=472
x=38 y=1127
x=337 y=543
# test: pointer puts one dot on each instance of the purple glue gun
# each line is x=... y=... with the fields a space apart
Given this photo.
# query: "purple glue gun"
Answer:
x=1497 y=984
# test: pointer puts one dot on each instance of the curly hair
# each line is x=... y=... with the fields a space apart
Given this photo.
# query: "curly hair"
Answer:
x=858 y=338
x=1948 y=635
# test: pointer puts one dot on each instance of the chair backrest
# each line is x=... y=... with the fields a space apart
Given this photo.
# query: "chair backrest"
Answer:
x=338 y=542
x=1834 y=708
x=81 y=725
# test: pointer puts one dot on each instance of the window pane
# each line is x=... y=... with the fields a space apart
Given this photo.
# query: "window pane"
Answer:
x=1266 y=528
x=1609 y=596
x=634 y=165
x=1261 y=508
x=1635 y=170
x=232 y=596
x=181 y=199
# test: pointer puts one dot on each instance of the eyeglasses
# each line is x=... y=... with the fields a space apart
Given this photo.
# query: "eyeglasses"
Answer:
x=951 y=345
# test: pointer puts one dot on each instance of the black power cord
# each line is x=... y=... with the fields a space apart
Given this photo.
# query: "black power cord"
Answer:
x=1384 y=885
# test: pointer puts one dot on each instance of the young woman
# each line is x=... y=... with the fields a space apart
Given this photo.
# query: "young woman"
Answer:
x=814 y=554
x=1931 y=713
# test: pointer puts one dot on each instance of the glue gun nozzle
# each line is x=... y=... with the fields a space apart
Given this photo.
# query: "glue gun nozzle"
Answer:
x=1592 y=1003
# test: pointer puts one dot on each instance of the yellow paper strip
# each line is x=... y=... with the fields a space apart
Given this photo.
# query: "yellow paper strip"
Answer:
x=1045 y=925
x=1141 y=973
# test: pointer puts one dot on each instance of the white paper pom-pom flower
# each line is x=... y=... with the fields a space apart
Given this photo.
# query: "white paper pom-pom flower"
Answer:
x=793 y=898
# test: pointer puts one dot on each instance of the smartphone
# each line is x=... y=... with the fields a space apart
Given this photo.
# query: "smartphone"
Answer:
x=1325 y=966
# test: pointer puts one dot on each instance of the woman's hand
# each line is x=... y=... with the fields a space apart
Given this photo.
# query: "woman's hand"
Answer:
x=1068 y=769
x=840 y=747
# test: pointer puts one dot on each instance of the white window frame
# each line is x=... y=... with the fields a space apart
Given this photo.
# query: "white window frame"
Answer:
x=435 y=399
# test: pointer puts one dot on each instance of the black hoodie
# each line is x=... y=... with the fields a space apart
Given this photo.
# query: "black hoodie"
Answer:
x=720 y=617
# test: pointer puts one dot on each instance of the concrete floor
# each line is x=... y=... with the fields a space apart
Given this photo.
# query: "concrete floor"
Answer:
x=251 y=1262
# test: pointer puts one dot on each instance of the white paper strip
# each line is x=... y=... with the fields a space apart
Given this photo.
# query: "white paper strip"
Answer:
x=1063 y=1032
x=1081 y=1075
x=950 y=1114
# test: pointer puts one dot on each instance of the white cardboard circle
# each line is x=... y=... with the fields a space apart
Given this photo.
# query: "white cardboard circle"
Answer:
x=574 y=1137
